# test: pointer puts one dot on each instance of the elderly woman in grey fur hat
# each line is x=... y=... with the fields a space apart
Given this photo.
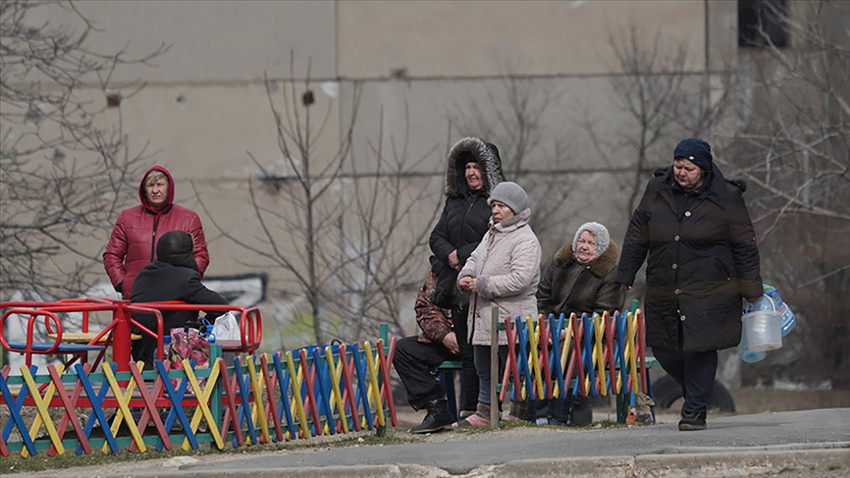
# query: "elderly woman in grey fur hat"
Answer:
x=579 y=279
x=503 y=272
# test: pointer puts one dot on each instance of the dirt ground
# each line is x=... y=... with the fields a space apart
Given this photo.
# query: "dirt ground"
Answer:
x=755 y=400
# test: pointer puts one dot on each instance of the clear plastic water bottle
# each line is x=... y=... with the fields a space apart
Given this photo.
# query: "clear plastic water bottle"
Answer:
x=764 y=303
x=789 y=319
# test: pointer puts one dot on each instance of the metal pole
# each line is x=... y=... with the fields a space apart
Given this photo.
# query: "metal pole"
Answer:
x=216 y=405
x=121 y=337
x=494 y=367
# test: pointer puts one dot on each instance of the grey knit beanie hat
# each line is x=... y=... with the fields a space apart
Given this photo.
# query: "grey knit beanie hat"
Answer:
x=510 y=193
x=599 y=231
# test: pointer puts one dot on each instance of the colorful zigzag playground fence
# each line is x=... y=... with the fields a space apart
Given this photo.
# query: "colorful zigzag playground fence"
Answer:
x=316 y=390
x=258 y=399
x=597 y=356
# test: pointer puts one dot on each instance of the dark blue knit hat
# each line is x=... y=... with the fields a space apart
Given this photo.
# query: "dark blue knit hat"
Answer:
x=695 y=150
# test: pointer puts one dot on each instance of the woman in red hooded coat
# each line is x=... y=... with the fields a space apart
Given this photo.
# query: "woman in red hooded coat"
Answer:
x=132 y=243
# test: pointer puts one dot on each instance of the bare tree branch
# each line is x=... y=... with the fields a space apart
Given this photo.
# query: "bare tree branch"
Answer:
x=792 y=143
x=62 y=179
x=352 y=227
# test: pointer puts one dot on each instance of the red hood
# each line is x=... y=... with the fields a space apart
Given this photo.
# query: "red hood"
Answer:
x=169 y=199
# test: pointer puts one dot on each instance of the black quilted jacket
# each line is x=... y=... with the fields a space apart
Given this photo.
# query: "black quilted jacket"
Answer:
x=702 y=260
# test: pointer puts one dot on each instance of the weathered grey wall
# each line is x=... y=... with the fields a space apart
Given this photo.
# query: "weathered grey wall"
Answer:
x=214 y=41
x=452 y=39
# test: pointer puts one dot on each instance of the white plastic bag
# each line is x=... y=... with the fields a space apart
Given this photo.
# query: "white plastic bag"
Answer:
x=226 y=327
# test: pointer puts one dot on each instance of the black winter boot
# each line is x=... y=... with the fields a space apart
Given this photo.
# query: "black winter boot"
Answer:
x=692 y=421
x=438 y=416
x=581 y=412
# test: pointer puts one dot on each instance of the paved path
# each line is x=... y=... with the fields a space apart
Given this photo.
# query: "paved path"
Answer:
x=763 y=434
x=810 y=443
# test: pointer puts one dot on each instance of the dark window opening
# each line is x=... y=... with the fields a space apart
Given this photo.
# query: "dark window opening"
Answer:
x=762 y=23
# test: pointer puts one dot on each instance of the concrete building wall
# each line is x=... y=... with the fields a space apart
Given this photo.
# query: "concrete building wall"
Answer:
x=212 y=41
x=491 y=38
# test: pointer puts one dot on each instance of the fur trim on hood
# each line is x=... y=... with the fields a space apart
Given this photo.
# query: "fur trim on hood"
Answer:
x=600 y=267
x=486 y=154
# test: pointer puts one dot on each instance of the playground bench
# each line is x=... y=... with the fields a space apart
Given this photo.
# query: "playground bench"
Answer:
x=447 y=370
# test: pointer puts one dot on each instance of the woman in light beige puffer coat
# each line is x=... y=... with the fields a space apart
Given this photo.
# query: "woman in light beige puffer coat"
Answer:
x=503 y=271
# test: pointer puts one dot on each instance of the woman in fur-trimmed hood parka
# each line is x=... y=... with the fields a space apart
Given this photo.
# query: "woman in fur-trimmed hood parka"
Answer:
x=465 y=214
x=473 y=168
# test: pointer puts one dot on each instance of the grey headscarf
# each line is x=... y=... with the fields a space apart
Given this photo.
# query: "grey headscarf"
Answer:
x=603 y=239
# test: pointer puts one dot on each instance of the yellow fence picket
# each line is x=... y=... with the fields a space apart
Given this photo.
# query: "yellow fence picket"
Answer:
x=41 y=406
x=123 y=409
x=203 y=409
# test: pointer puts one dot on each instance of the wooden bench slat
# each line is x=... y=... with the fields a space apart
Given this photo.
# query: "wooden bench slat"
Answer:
x=86 y=337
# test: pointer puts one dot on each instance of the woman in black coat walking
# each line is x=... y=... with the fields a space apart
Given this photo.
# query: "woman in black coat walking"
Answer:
x=703 y=259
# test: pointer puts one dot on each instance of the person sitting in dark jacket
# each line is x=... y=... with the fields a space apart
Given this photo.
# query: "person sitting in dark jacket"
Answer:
x=172 y=276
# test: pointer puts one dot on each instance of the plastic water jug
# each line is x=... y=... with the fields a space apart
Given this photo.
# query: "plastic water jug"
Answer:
x=789 y=319
x=762 y=327
x=769 y=302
